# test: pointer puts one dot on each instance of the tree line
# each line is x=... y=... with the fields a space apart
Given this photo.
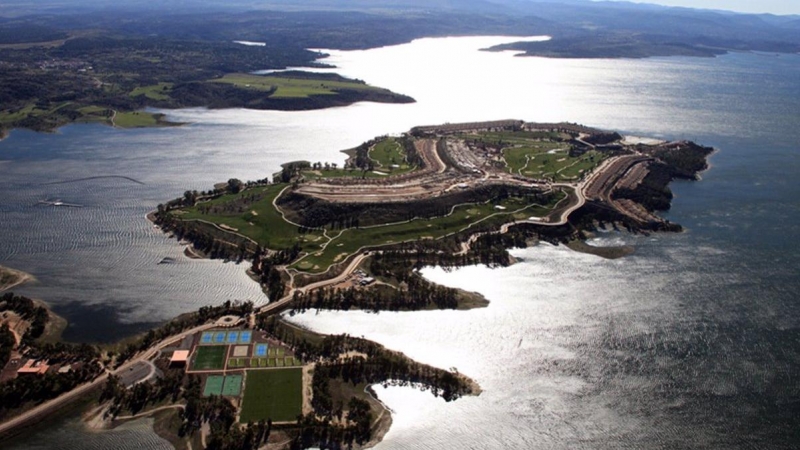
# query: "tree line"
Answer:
x=182 y=323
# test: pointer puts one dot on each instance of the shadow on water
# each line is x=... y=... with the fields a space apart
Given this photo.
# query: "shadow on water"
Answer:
x=99 y=324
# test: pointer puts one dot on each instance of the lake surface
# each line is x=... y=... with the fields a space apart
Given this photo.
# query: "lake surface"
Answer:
x=692 y=342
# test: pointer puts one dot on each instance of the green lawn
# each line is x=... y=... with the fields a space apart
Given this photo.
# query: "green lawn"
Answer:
x=388 y=153
x=272 y=394
x=266 y=226
x=290 y=87
x=546 y=160
x=135 y=119
x=210 y=357
x=517 y=158
x=158 y=91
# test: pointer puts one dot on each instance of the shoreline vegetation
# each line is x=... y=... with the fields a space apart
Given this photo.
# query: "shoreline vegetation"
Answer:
x=284 y=91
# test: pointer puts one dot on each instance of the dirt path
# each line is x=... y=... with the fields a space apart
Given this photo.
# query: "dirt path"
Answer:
x=152 y=411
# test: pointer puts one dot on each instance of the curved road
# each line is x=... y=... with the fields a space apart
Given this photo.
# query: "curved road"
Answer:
x=49 y=406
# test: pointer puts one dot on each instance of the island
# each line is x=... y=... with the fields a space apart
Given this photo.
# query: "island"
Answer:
x=331 y=236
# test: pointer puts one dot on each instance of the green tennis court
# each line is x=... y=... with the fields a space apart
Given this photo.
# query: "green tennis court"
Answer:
x=232 y=386
x=213 y=385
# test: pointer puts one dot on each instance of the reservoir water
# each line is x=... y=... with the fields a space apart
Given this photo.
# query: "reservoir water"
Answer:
x=692 y=342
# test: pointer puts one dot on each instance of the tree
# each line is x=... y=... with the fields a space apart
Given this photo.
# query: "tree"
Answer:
x=235 y=185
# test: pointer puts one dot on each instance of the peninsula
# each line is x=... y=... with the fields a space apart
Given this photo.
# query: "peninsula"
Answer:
x=321 y=236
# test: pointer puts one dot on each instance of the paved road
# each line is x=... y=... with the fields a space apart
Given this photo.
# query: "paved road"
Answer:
x=35 y=414
x=272 y=306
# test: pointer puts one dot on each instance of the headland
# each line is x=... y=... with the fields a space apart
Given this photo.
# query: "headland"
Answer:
x=321 y=236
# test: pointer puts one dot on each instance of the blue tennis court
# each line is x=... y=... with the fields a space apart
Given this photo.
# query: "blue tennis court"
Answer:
x=261 y=349
x=219 y=337
x=207 y=337
x=233 y=336
x=245 y=336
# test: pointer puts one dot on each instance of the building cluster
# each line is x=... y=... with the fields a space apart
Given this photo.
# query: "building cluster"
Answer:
x=362 y=278
x=19 y=366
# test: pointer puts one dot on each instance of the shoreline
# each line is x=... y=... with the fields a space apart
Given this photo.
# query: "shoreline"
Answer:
x=11 y=278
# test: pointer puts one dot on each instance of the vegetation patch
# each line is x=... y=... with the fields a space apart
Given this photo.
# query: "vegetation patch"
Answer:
x=137 y=119
x=158 y=91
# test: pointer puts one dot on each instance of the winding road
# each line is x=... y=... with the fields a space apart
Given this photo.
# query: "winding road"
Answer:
x=40 y=411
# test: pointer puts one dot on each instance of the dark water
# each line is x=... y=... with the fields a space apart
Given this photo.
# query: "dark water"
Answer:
x=693 y=342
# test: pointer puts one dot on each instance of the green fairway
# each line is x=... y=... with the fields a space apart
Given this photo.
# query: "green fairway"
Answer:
x=213 y=385
x=272 y=394
x=550 y=160
x=286 y=87
x=253 y=214
x=158 y=91
x=390 y=156
x=350 y=240
x=210 y=357
x=261 y=221
x=232 y=386
x=518 y=158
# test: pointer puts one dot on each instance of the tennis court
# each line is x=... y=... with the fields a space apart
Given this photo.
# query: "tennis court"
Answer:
x=214 y=385
x=245 y=336
x=261 y=350
x=207 y=337
x=232 y=386
x=219 y=337
x=233 y=336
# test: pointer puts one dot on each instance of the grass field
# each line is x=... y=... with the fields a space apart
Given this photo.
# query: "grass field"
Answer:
x=290 y=87
x=158 y=91
x=213 y=385
x=517 y=158
x=272 y=394
x=266 y=226
x=210 y=357
x=387 y=153
x=135 y=119
x=555 y=165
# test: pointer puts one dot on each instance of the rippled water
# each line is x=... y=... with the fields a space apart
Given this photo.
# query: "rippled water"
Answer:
x=692 y=342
